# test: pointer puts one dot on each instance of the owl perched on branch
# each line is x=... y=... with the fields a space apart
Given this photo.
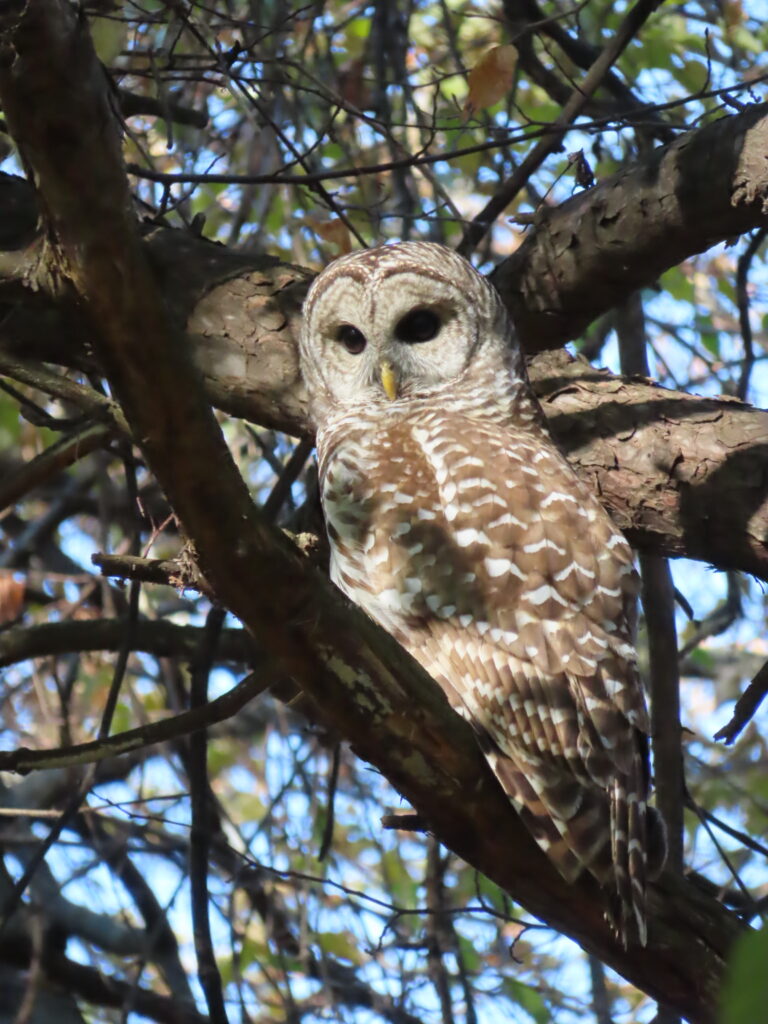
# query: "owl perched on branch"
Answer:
x=456 y=523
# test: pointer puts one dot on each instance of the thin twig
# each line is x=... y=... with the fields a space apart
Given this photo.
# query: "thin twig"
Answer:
x=601 y=1001
x=333 y=778
x=721 y=618
x=73 y=805
x=23 y=760
x=59 y=456
x=742 y=295
x=723 y=853
x=287 y=478
x=207 y=969
x=746 y=706
x=436 y=968
x=580 y=96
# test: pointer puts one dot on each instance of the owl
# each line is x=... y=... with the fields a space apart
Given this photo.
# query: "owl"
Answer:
x=455 y=522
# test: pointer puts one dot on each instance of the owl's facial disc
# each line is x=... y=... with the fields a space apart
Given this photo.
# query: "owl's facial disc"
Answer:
x=352 y=338
x=401 y=322
x=419 y=325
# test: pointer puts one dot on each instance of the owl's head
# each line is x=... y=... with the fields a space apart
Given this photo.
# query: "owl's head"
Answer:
x=401 y=323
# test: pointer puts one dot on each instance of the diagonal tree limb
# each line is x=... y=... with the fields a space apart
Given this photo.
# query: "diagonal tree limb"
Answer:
x=96 y=986
x=746 y=706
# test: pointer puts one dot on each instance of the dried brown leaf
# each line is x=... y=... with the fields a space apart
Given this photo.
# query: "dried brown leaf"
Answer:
x=336 y=232
x=11 y=597
x=491 y=78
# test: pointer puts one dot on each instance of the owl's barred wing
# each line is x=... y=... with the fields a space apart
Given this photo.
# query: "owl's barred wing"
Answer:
x=583 y=809
x=556 y=690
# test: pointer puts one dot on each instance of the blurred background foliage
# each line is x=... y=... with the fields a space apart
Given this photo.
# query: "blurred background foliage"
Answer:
x=317 y=911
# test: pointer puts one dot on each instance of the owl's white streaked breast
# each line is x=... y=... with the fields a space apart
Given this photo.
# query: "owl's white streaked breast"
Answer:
x=423 y=528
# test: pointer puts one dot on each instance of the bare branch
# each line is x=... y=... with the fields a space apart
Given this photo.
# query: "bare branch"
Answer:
x=746 y=706
x=163 y=639
x=97 y=987
x=659 y=607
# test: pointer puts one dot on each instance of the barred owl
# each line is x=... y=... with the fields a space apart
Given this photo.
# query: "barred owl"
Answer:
x=456 y=524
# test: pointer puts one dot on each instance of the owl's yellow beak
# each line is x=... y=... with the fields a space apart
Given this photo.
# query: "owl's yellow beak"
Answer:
x=388 y=379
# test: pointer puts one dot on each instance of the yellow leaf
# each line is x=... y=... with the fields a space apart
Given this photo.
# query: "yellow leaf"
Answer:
x=336 y=232
x=339 y=944
x=109 y=35
x=491 y=78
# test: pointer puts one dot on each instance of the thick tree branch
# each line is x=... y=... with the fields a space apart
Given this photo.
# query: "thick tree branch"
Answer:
x=682 y=475
x=591 y=253
x=366 y=685
x=161 y=639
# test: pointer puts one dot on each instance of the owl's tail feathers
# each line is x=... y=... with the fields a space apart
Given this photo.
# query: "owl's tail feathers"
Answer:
x=638 y=853
x=626 y=910
x=613 y=835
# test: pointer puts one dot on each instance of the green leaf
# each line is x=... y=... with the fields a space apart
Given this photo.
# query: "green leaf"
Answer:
x=703 y=659
x=530 y=999
x=741 y=36
x=711 y=342
x=340 y=945
x=472 y=960
x=122 y=718
x=401 y=886
x=745 y=991
x=678 y=284
x=254 y=951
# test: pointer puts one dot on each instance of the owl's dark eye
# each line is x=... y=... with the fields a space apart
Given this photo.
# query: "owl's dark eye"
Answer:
x=353 y=340
x=418 y=325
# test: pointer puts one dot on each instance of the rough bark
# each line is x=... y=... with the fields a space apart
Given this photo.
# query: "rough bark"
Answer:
x=366 y=685
x=681 y=474
x=587 y=255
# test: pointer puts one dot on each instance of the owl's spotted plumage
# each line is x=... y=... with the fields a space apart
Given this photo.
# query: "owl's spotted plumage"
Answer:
x=456 y=523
